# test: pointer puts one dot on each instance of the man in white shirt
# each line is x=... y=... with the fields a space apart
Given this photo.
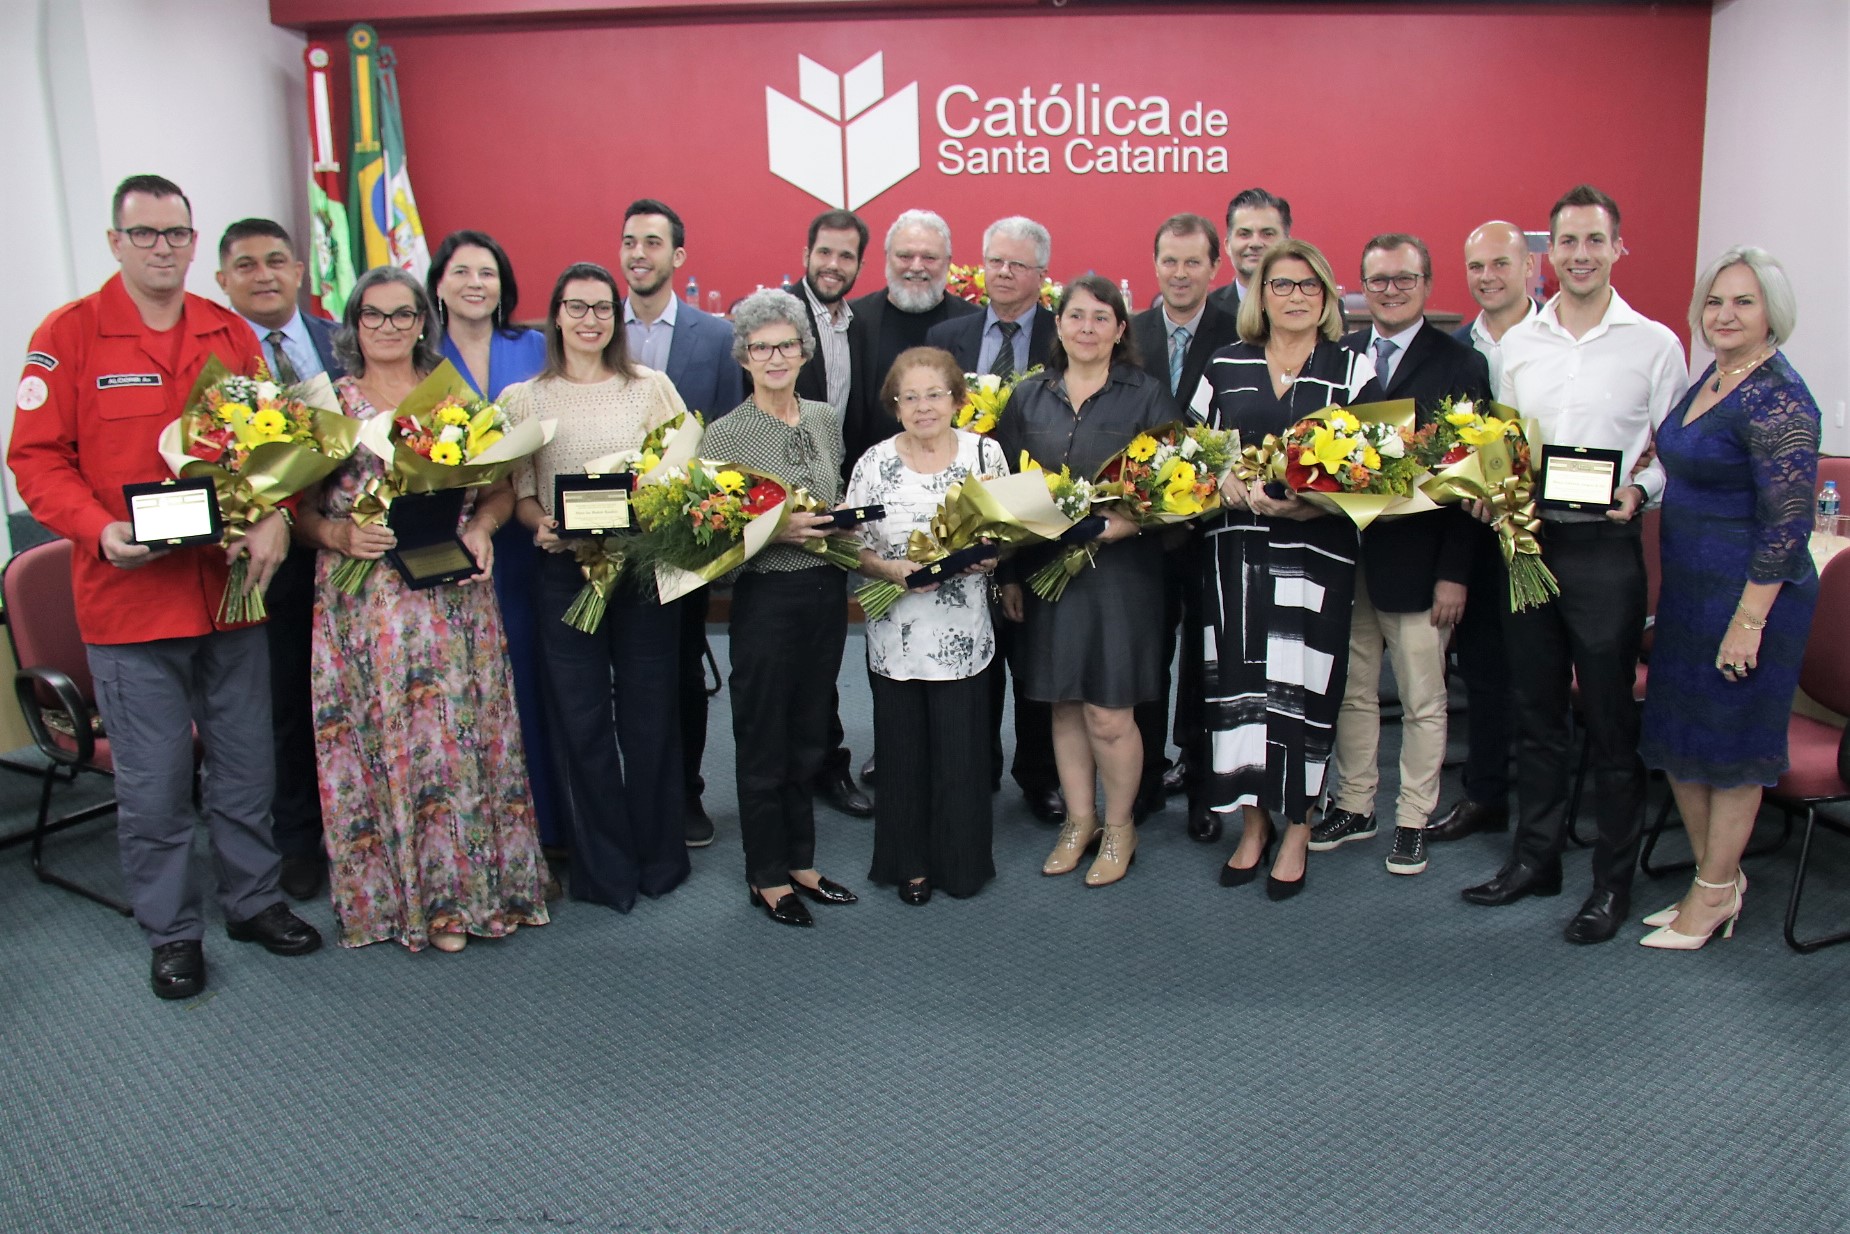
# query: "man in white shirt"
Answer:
x=1592 y=371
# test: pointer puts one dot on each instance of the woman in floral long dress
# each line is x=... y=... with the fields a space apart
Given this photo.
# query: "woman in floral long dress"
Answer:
x=430 y=829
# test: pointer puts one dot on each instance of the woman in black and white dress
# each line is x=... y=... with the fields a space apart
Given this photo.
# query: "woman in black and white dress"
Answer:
x=1280 y=574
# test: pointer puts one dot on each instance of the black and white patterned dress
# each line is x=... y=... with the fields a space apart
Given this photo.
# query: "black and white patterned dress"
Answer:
x=1276 y=598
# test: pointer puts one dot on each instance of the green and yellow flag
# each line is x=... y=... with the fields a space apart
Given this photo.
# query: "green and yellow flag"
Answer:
x=371 y=243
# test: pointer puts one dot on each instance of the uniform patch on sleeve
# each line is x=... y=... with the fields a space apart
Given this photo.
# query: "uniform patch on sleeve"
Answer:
x=32 y=393
x=44 y=360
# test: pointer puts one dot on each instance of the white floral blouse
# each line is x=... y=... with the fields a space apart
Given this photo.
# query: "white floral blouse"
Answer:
x=941 y=635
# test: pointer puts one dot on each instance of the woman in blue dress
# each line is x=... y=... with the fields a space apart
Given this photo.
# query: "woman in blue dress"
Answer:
x=1741 y=455
x=472 y=286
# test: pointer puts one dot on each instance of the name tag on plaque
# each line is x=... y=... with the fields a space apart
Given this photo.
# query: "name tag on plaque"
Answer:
x=174 y=513
x=1577 y=478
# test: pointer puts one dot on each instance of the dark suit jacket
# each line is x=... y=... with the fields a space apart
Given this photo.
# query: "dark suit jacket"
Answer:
x=867 y=422
x=321 y=330
x=700 y=363
x=963 y=338
x=1150 y=331
x=1405 y=557
x=1226 y=299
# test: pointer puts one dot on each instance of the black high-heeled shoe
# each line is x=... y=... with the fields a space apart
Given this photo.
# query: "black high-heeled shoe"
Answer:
x=787 y=911
x=1279 y=889
x=918 y=891
x=826 y=891
x=1239 y=876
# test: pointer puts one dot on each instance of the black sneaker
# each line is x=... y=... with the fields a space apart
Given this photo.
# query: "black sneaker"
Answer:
x=1339 y=827
x=695 y=824
x=1409 y=855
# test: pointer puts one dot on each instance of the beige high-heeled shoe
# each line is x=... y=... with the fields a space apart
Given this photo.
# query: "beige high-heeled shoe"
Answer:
x=1076 y=837
x=1664 y=916
x=1666 y=939
x=1114 y=855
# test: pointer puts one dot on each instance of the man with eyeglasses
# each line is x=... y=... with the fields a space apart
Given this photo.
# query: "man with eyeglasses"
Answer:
x=695 y=350
x=1256 y=220
x=1410 y=578
x=1175 y=339
x=1009 y=337
x=104 y=376
x=261 y=276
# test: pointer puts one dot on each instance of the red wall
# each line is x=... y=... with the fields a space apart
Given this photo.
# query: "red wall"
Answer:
x=1368 y=120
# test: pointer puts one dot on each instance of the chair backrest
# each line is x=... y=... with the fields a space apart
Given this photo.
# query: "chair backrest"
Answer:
x=1825 y=674
x=1838 y=469
x=41 y=614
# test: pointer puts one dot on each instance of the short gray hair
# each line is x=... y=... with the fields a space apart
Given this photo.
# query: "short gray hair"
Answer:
x=1016 y=227
x=921 y=218
x=1782 y=307
x=426 y=352
x=768 y=308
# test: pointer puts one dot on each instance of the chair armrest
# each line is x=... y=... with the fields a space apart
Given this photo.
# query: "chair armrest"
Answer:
x=26 y=684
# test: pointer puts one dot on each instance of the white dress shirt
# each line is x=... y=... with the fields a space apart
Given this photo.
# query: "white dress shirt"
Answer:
x=1609 y=389
x=1492 y=349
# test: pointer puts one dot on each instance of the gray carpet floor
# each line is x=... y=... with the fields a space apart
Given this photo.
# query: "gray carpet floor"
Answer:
x=1162 y=1055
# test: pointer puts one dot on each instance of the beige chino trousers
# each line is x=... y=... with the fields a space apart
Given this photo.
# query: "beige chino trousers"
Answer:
x=1416 y=648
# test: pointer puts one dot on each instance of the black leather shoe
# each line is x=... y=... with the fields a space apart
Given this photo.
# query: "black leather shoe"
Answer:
x=1599 y=918
x=839 y=790
x=1468 y=817
x=179 y=969
x=787 y=911
x=1048 y=806
x=696 y=824
x=867 y=770
x=916 y=892
x=1175 y=780
x=1203 y=824
x=1150 y=800
x=280 y=931
x=1513 y=882
x=826 y=891
x=299 y=878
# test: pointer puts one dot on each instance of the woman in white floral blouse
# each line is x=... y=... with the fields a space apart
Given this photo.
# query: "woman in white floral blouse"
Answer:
x=928 y=656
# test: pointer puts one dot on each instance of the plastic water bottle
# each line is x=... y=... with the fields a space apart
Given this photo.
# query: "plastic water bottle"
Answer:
x=693 y=292
x=1828 y=507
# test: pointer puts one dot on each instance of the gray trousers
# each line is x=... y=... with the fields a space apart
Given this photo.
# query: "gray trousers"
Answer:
x=152 y=697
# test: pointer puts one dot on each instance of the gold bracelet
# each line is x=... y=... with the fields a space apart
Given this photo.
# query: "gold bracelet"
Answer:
x=1747 y=621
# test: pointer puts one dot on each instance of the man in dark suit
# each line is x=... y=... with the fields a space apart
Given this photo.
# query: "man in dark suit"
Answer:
x=1007 y=338
x=886 y=322
x=831 y=263
x=695 y=350
x=1256 y=220
x=1175 y=340
x=262 y=277
x=1410 y=581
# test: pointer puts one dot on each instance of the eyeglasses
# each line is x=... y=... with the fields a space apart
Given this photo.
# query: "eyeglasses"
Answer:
x=913 y=400
x=789 y=348
x=144 y=237
x=603 y=310
x=1016 y=268
x=1312 y=288
x=1400 y=282
x=401 y=319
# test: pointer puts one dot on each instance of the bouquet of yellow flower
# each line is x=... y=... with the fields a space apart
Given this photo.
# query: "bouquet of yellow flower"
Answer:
x=1486 y=457
x=442 y=436
x=261 y=444
x=1364 y=462
x=672 y=443
x=986 y=397
x=970 y=283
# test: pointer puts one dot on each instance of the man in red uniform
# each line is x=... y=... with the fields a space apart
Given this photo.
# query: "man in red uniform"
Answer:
x=103 y=377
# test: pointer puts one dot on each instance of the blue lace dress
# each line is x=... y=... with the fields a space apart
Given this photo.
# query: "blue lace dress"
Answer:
x=1737 y=508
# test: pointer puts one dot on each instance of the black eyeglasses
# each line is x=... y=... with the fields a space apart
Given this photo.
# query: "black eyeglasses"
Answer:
x=789 y=348
x=401 y=319
x=1282 y=287
x=144 y=237
x=603 y=310
x=1399 y=282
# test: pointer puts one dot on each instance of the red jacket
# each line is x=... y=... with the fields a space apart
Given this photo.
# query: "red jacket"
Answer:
x=99 y=387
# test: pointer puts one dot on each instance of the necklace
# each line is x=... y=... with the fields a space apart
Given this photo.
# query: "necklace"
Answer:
x=1288 y=373
x=1715 y=387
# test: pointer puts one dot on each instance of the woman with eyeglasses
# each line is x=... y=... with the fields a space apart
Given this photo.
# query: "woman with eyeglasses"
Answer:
x=423 y=785
x=789 y=612
x=1280 y=574
x=927 y=656
x=472 y=288
x=617 y=752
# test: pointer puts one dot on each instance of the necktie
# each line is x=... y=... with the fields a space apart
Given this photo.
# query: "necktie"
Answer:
x=1178 y=348
x=1384 y=349
x=1004 y=363
x=285 y=371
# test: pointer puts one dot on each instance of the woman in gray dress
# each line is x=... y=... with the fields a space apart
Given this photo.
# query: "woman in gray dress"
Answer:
x=1095 y=654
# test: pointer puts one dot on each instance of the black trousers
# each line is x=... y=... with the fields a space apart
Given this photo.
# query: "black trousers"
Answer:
x=296 y=807
x=1181 y=611
x=617 y=749
x=933 y=818
x=1034 y=768
x=788 y=631
x=1484 y=666
x=692 y=690
x=1590 y=632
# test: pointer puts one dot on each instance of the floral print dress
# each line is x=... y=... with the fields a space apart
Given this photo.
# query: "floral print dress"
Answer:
x=429 y=822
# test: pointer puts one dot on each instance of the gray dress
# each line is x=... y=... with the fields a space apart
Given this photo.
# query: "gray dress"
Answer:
x=1101 y=643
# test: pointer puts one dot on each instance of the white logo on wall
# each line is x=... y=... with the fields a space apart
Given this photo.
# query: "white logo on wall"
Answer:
x=843 y=144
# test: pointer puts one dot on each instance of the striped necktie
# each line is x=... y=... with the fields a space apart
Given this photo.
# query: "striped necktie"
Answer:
x=285 y=371
x=1004 y=363
x=1178 y=349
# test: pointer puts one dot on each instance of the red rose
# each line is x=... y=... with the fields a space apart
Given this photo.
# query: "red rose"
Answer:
x=1114 y=471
